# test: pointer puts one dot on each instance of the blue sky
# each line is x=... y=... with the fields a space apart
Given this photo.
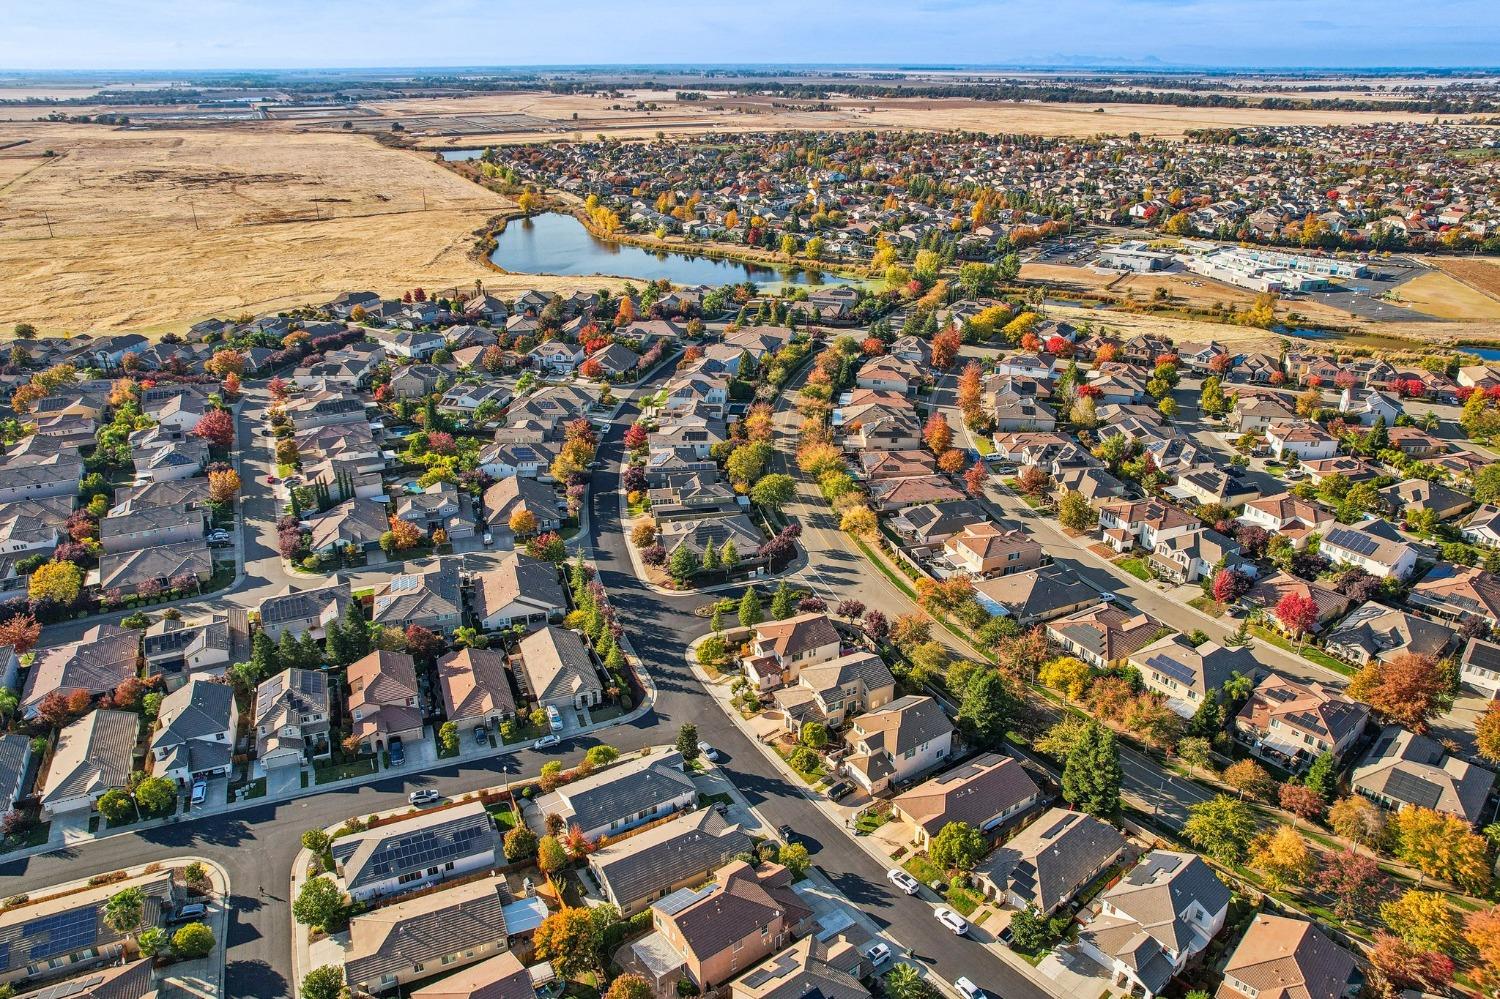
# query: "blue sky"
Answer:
x=216 y=34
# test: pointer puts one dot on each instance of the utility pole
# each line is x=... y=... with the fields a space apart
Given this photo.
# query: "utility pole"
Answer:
x=194 y=209
x=48 y=217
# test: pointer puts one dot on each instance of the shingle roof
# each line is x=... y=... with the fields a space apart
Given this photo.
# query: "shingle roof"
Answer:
x=1288 y=959
x=104 y=657
x=93 y=754
x=639 y=866
x=620 y=791
x=395 y=938
x=974 y=792
x=416 y=843
x=1054 y=857
x=557 y=664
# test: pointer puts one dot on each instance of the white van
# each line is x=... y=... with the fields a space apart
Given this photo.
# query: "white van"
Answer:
x=554 y=719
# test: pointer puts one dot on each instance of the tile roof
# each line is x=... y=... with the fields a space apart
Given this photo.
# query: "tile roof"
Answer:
x=1283 y=958
x=620 y=791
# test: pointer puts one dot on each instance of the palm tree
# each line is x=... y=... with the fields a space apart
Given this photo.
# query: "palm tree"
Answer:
x=124 y=910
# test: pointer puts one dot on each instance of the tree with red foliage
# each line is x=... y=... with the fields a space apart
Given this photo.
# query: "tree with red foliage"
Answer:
x=278 y=388
x=1297 y=613
x=975 y=478
x=877 y=626
x=53 y=710
x=217 y=427
x=422 y=643
x=872 y=346
x=1302 y=801
x=1352 y=880
x=441 y=442
x=1088 y=391
x=79 y=701
x=1230 y=585
x=81 y=526
x=1344 y=380
x=1033 y=481
x=1219 y=363
x=945 y=348
x=129 y=692
x=591 y=368
x=1314 y=381
x=20 y=633
x=231 y=386
x=1407 y=967
x=580 y=430
x=1059 y=346
x=635 y=437
x=851 y=609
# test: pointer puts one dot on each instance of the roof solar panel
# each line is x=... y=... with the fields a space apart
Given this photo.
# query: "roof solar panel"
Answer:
x=1410 y=788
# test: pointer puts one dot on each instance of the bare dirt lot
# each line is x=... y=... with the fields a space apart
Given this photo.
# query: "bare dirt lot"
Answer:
x=154 y=229
x=1479 y=273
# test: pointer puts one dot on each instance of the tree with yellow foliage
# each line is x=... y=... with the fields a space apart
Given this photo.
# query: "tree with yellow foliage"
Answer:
x=1282 y=857
x=1068 y=676
x=527 y=203
x=1425 y=920
x=60 y=582
x=1441 y=846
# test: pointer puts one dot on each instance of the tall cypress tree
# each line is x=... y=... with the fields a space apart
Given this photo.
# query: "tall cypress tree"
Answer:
x=263 y=656
x=781 y=603
x=356 y=631
x=1091 y=776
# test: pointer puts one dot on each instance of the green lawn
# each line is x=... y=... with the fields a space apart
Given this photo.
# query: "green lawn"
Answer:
x=35 y=836
x=1208 y=605
x=1035 y=502
x=342 y=771
x=1136 y=567
x=984 y=445
x=504 y=816
x=923 y=869
x=963 y=900
x=1308 y=652
x=869 y=822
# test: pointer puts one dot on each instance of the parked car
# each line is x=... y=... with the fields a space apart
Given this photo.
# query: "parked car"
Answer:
x=902 y=880
x=787 y=833
x=189 y=913
x=218 y=536
x=547 y=742
x=839 y=789
x=554 y=719
x=952 y=920
x=397 y=753
x=424 y=796
x=481 y=735
x=708 y=752
x=488 y=538
x=968 y=989
x=200 y=792
x=878 y=955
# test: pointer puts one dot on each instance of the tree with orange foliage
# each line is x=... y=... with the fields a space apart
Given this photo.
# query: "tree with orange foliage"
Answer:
x=231 y=386
x=945 y=348
x=1408 y=689
x=591 y=368
x=225 y=362
x=405 y=534
x=123 y=390
x=760 y=423
x=1033 y=481
x=1405 y=966
x=625 y=314
x=937 y=433
x=872 y=346
x=523 y=523
x=223 y=485
x=970 y=387
x=20 y=633
x=975 y=478
x=1482 y=931
x=1107 y=352
x=951 y=461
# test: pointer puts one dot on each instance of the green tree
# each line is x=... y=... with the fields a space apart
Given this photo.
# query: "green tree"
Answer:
x=263 y=656
x=116 y=806
x=1091 y=774
x=319 y=903
x=729 y=555
x=520 y=844
x=781 y=602
x=1211 y=399
x=1029 y=932
x=814 y=735
x=750 y=610
x=448 y=737
x=193 y=940
x=550 y=855
x=794 y=857
x=682 y=564
x=774 y=491
x=1323 y=776
x=316 y=842
x=987 y=710
x=125 y=909
x=601 y=756
x=958 y=846
x=1221 y=827
x=687 y=741
x=156 y=795
x=1074 y=512
x=325 y=982
x=154 y=942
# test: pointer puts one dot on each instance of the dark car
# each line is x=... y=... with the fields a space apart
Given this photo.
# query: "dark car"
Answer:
x=398 y=753
x=481 y=736
x=787 y=834
x=188 y=913
x=839 y=789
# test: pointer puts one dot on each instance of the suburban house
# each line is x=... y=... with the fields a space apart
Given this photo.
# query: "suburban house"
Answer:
x=1419 y=495
x=809 y=968
x=620 y=798
x=29 y=482
x=1403 y=768
x=987 y=549
x=1293 y=723
x=889 y=374
x=398 y=944
x=832 y=692
x=558 y=357
x=432 y=599
x=557 y=669
x=1206 y=485
x=1375 y=631
x=1287 y=515
x=1479 y=666
x=1185 y=674
x=1459 y=594
x=637 y=870
x=1157 y=918
x=1128 y=524
x=292 y=718
x=178 y=650
x=986 y=792
x=15 y=769
x=709 y=935
x=891 y=744
x=1281 y=958
x=439 y=507
x=416 y=852
x=518 y=590
x=1271 y=590
x=1373 y=545
x=1050 y=861
x=1300 y=439
x=500 y=977
x=150 y=527
x=359 y=522
x=781 y=647
x=506 y=498
x=384 y=700
x=195 y=733
x=303 y=611
x=1483 y=527
x=1187 y=558
x=93 y=754
x=98 y=663
x=475 y=689
x=1035 y=596
x=1104 y=635
x=149 y=571
x=67 y=933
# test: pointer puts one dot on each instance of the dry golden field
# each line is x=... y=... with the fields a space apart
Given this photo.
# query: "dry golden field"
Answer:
x=154 y=229
x=1444 y=297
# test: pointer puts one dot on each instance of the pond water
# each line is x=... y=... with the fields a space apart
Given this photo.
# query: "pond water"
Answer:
x=554 y=243
x=1303 y=334
x=1488 y=353
x=461 y=154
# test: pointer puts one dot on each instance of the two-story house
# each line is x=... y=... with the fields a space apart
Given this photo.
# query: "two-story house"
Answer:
x=896 y=742
x=292 y=718
x=195 y=733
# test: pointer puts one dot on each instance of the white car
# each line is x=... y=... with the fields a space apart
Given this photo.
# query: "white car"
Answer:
x=708 y=752
x=878 y=955
x=425 y=796
x=902 y=880
x=547 y=742
x=952 y=920
x=200 y=792
x=968 y=989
